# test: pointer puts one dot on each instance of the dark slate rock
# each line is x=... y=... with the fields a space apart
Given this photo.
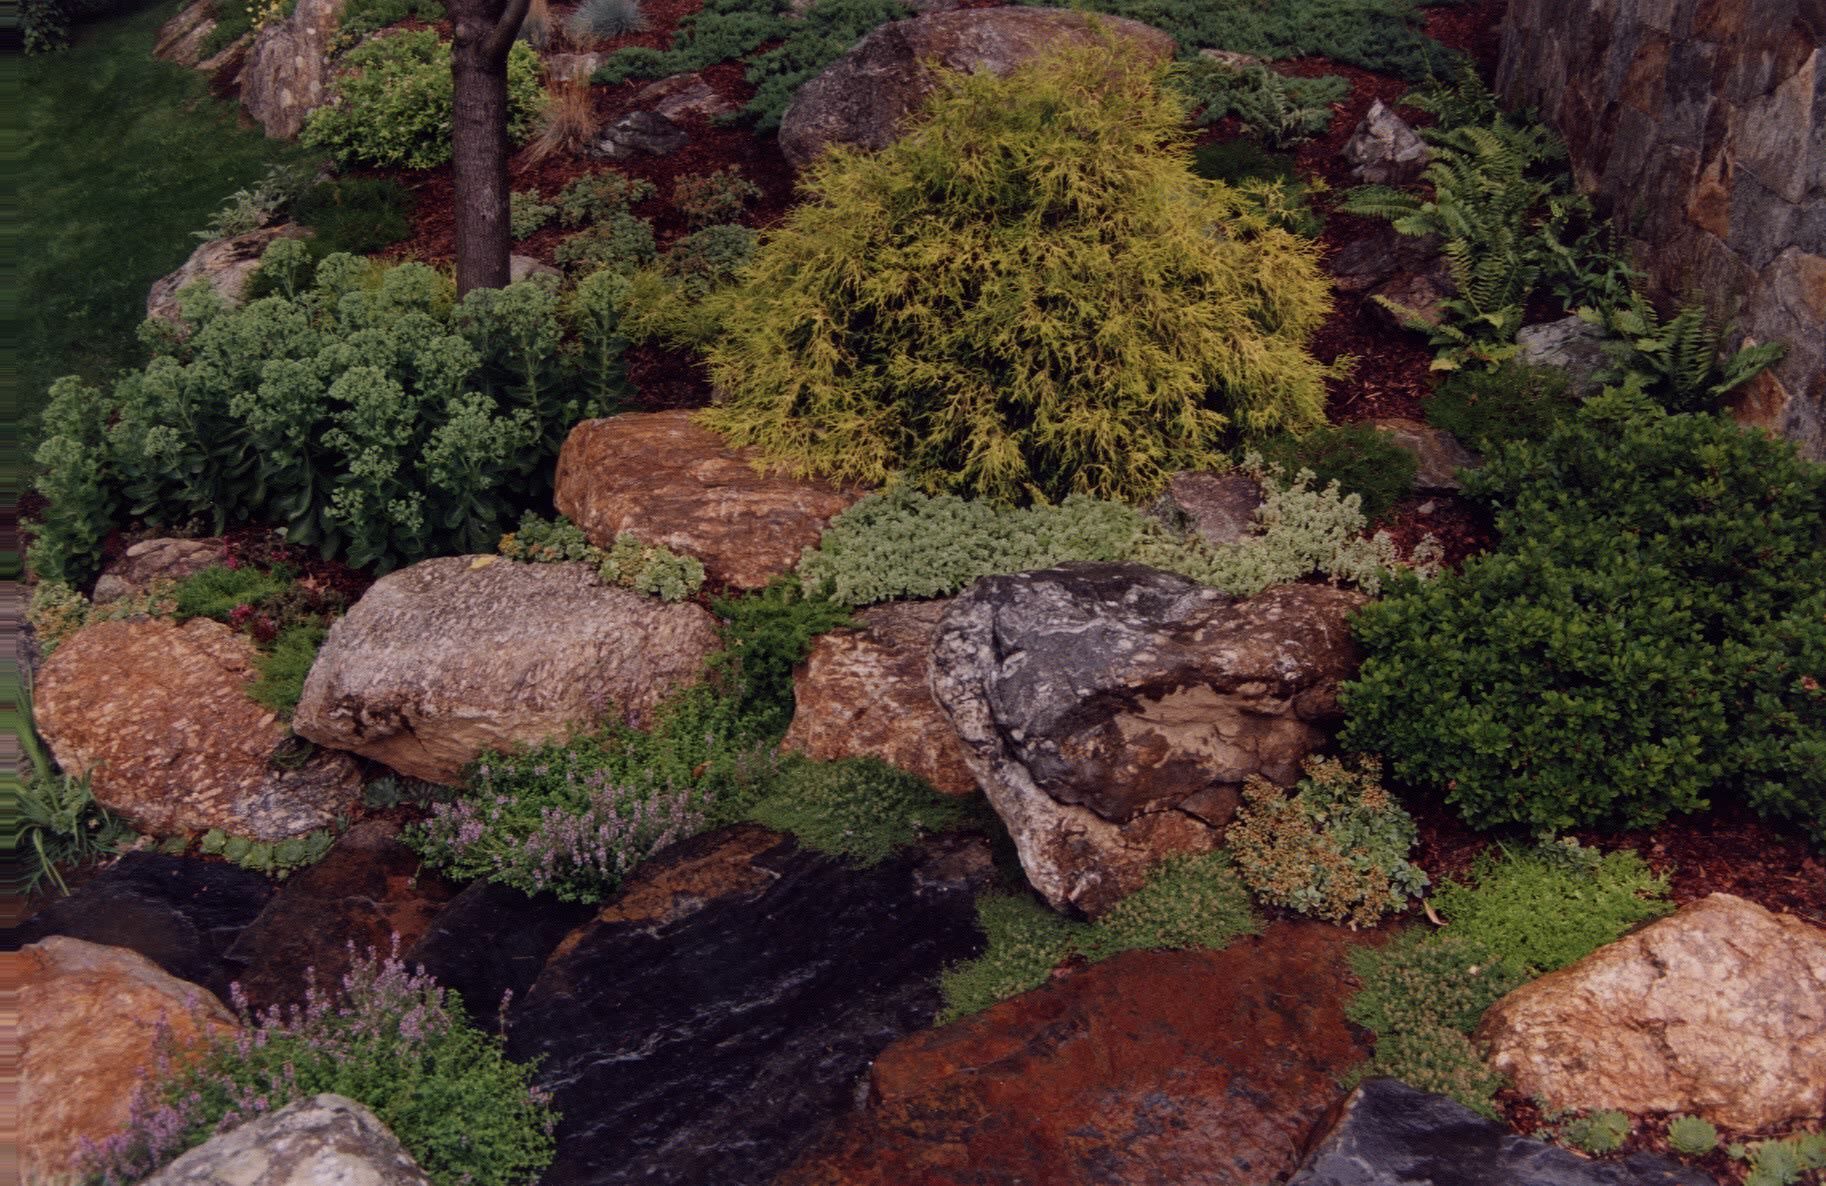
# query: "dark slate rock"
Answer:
x=1390 y=1134
x=492 y=939
x=641 y=132
x=180 y=913
x=722 y=1010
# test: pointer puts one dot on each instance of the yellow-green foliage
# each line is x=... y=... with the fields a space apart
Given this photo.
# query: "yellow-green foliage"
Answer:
x=1029 y=296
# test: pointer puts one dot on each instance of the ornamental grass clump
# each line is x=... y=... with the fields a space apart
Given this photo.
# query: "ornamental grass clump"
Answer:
x=389 y=1038
x=1028 y=296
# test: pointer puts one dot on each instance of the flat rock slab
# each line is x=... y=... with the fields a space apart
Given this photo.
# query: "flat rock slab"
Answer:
x=660 y=478
x=1218 y=508
x=89 y=1017
x=1390 y=1134
x=1150 y=1068
x=451 y=657
x=716 y=1016
x=368 y=888
x=181 y=913
x=492 y=940
x=156 y=560
x=866 y=97
x=326 y=1140
x=866 y=693
x=1111 y=712
x=158 y=716
x=1717 y=1010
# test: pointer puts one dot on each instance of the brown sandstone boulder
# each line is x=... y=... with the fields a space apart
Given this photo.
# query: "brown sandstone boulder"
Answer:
x=865 y=693
x=1218 y=508
x=865 y=97
x=156 y=560
x=1718 y=1010
x=443 y=660
x=88 y=1018
x=181 y=38
x=228 y=265
x=1153 y=1067
x=1111 y=712
x=1437 y=454
x=287 y=72
x=660 y=478
x=158 y=716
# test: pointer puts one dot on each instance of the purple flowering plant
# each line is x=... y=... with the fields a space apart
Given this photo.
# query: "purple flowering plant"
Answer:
x=389 y=1038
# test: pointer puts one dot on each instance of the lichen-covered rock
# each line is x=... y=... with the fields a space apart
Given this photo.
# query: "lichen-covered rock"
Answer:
x=451 y=657
x=663 y=480
x=865 y=97
x=228 y=264
x=640 y=133
x=1111 y=712
x=155 y=560
x=1718 y=1010
x=325 y=1140
x=1390 y=1134
x=158 y=717
x=287 y=73
x=1438 y=455
x=1384 y=150
x=88 y=1022
x=1218 y=508
x=866 y=692
x=1571 y=344
x=1160 y=1067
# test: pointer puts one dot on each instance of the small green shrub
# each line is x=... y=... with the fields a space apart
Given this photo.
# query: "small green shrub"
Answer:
x=1336 y=848
x=1434 y=1058
x=387 y=1038
x=1362 y=459
x=281 y=671
x=706 y=260
x=527 y=212
x=706 y=199
x=357 y=215
x=767 y=633
x=1235 y=161
x=859 y=808
x=362 y=17
x=217 y=591
x=391 y=102
x=594 y=19
x=593 y=197
x=1598 y=1132
x=1693 y=1136
x=644 y=568
x=1512 y=401
x=276 y=858
x=1543 y=914
x=58 y=823
x=1781 y=1163
x=1274 y=108
x=897 y=322
x=1025 y=941
x=620 y=242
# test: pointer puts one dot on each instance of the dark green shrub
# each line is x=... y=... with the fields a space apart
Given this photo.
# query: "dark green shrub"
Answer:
x=365 y=414
x=593 y=197
x=1510 y=402
x=281 y=671
x=527 y=212
x=362 y=17
x=391 y=103
x=357 y=215
x=897 y=320
x=709 y=259
x=1278 y=110
x=619 y=242
x=767 y=633
x=1233 y=161
x=706 y=199
x=859 y=808
x=1361 y=459
x=1647 y=634
x=216 y=591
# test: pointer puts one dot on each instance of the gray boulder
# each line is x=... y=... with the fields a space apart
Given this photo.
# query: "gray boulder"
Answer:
x=1384 y=150
x=1570 y=344
x=325 y=1140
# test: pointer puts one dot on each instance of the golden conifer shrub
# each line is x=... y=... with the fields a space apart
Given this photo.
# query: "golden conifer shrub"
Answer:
x=1028 y=296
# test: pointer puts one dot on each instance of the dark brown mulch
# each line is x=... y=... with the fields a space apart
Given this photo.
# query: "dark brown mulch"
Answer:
x=1460 y=528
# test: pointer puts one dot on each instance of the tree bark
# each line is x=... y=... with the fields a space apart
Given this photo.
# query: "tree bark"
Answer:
x=484 y=33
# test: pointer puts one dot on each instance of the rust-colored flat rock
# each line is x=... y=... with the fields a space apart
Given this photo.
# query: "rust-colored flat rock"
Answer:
x=1152 y=1068
x=660 y=478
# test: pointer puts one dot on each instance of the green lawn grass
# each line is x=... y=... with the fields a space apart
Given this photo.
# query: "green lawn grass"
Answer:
x=119 y=158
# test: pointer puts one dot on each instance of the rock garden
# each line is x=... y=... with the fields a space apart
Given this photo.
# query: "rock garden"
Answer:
x=1152 y=593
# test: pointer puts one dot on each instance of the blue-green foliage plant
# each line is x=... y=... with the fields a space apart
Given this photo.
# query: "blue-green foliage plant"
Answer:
x=1648 y=634
x=362 y=409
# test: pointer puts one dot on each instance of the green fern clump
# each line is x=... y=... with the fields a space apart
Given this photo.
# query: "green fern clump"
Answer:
x=1678 y=358
x=1023 y=298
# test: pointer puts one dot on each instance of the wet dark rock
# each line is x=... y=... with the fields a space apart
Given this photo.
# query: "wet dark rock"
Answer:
x=1155 y=1068
x=492 y=939
x=1378 y=253
x=369 y=888
x=717 y=1015
x=640 y=132
x=180 y=913
x=1390 y=1134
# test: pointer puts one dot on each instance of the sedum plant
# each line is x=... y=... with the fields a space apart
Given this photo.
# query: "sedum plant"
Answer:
x=1026 y=297
x=644 y=568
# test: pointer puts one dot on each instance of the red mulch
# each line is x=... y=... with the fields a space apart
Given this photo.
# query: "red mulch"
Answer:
x=1461 y=529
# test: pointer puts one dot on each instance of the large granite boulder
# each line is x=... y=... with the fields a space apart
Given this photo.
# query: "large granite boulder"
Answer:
x=663 y=480
x=158 y=717
x=1390 y=1134
x=1718 y=1010
x=366 y=890
x=716 y=1016
x=287 y=73
x=866 y=97
x=865 y=692
x=89 y=1017
x=450 y=657
x=180 y=913
x=1111 y=712
x=227 y=264
x=325 y=1140
x=1153 y=1067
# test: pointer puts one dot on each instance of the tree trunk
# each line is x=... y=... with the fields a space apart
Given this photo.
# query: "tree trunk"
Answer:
x=485 y=32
